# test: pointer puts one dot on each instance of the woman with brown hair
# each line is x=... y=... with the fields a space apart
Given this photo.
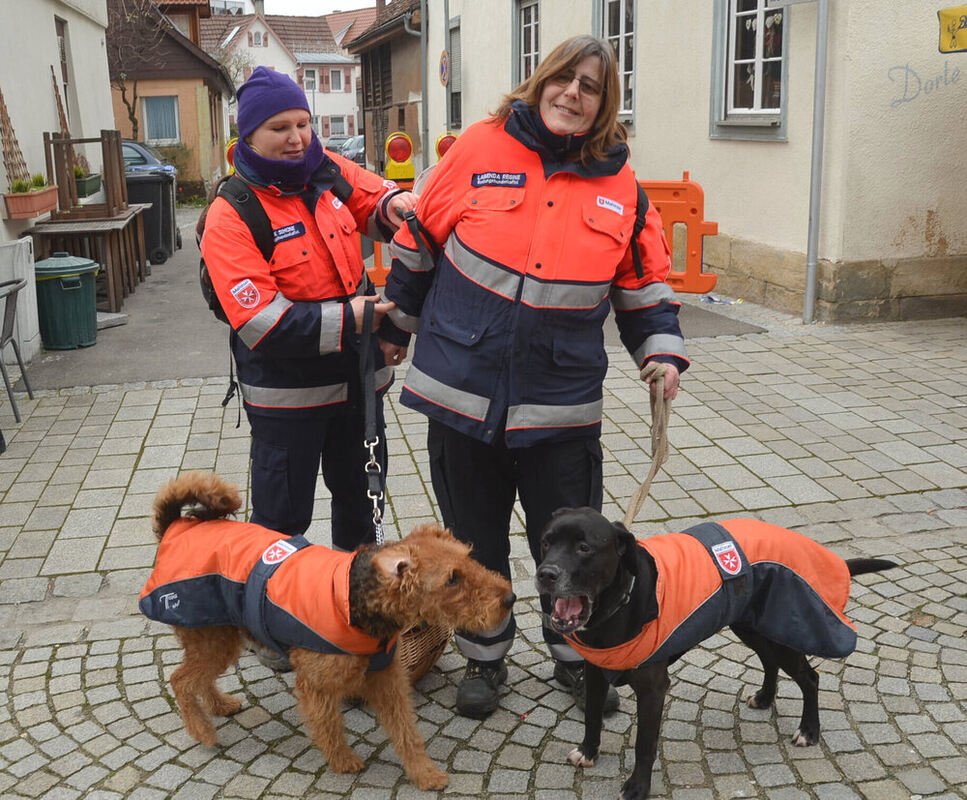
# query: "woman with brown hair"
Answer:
x=533 y=212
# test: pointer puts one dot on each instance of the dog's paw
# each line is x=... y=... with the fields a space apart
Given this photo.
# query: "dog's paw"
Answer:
x=347 y=762
x=758 y=700
x=202 y=731
x=431 y=778
x=803 y=738
x=225 y=705
x=578 y=759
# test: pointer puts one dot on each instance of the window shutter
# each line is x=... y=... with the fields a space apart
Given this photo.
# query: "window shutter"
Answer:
x=352 y=125
x=251 y=40
x=347 y=80
x=265 y=40
x=325 y=126
x=456 y=61
x=300 y=76
x=325 y=80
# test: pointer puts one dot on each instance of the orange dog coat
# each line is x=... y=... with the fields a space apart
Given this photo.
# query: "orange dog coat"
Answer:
x=283 y=591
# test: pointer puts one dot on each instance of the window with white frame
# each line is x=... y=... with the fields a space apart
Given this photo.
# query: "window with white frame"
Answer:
x=160 y=119
x=749 y=70
x=335 y=80
x=257 y=38
x=314 y=121
x=530 y=41
x=619 y=29
x=337 y=126
x=309 y=80
x=754 y=74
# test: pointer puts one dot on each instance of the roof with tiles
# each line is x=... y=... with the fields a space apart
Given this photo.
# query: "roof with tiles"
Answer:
x=298 y=34
x=216 y=29
x=347 y=25
x=304 y=34
x=394 y=9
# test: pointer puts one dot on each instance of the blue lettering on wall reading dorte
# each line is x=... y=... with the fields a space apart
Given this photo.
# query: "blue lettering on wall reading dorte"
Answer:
x=912 y=86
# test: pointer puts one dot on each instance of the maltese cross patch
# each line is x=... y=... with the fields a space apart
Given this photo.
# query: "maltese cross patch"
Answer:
x=278 y=552
x=728 y=557
x=246 y=293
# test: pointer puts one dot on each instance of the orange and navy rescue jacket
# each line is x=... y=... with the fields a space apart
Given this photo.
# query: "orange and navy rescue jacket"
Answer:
x=738 y=572
x=284 y=591
x=510 y=317
x=294 y=338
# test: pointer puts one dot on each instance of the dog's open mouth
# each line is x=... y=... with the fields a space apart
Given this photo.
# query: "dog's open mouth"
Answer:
x=570 y=613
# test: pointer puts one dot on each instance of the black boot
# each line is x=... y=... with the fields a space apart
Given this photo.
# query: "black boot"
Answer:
x=571 y=674
x=274 y=660
x=479 y=689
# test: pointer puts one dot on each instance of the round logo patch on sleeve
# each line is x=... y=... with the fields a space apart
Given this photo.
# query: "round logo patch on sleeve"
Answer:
x=246 y=293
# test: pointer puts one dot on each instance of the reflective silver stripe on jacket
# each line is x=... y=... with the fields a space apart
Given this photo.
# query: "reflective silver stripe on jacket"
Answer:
x=479 y=270
x=409 y=258
x=403 y=321
x=466 y=403
x=531 y=415
x=330 y=327
x=665 y=343
x=296 y=397
x=382 y=377
x=535 y=293
x=650 y=295
x=251 y=332
x=541 y=294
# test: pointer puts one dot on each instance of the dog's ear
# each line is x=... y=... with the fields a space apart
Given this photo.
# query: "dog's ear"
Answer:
x=627 y=547
x=393 y=564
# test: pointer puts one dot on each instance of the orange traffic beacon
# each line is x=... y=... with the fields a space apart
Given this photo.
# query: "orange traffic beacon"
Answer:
x=684 y=202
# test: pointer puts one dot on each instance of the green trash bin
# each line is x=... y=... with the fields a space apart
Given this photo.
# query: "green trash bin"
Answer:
x=67 y=301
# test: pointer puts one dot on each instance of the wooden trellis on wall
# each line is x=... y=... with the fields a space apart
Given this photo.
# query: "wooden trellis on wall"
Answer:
x=13 y=159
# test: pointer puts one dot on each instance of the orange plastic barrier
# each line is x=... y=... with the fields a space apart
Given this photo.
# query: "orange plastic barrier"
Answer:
x=377 y=273
x=684 y=202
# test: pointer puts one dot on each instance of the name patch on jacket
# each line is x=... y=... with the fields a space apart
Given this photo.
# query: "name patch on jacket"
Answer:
x=498 y=179
x=288 y=232
x=611 y=205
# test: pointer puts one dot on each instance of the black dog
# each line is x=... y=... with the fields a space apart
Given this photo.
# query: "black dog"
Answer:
x=632 y=607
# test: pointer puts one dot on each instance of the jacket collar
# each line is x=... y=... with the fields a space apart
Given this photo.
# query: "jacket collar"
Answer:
x=557 y=152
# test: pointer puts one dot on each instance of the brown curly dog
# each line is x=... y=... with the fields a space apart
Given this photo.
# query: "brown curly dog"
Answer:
x=218 y=582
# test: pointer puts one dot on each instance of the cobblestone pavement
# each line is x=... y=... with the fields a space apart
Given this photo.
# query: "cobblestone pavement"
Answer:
x=854 y=436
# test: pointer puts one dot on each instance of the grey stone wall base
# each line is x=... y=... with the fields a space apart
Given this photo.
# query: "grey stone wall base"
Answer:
x=928 y=287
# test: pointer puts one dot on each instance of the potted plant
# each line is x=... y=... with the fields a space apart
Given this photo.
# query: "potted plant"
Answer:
x=27 y=199
x=86 y=182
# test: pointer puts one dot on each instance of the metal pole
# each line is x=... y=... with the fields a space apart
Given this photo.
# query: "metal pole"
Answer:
x=424 y=88
x=816 y=170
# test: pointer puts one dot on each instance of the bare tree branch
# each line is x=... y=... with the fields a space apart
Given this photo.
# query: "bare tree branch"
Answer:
x=135 y=34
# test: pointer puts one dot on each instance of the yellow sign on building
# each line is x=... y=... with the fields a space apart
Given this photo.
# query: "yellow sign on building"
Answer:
x=953 y=29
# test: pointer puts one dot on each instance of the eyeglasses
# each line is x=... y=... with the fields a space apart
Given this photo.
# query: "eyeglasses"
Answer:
x=587 y=86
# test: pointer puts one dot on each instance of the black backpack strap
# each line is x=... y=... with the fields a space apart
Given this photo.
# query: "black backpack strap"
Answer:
x=642 y=209
x=425 y=243
x=244 y=200
x=341 y=187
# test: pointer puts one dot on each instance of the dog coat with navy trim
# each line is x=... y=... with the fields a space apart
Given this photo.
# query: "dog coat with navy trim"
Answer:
x=740 y=572
x=282 y=590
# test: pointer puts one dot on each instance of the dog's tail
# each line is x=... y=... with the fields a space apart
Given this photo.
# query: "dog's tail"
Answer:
x=208 y=495
x=860 y=566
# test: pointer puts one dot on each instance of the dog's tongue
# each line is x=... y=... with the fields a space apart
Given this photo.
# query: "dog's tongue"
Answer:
x=568 y=608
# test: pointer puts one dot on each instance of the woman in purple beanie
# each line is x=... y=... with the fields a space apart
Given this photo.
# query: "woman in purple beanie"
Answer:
x=296 y=316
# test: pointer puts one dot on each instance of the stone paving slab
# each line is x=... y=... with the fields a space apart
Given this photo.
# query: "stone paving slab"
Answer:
x=856 y=437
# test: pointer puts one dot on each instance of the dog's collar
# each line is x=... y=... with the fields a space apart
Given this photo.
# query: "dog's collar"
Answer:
x=597 y=617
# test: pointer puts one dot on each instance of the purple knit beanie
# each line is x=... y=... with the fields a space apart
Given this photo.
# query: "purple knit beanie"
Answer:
x=264 y=95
